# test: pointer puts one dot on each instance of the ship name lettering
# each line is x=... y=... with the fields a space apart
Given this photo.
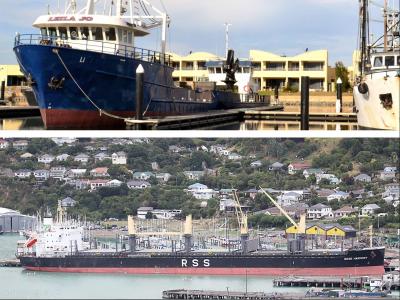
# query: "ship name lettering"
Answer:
x=70 y=19
x=348 y=258
x=358 y=258
x=194 y=263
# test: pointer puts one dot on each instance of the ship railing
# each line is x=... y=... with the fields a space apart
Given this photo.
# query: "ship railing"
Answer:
x=105 y=47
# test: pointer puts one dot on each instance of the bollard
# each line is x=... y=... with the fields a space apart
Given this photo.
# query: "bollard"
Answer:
x=139 y=94
x=305 y=102
x=339 y=95
x=3 y=90
x=276 y=94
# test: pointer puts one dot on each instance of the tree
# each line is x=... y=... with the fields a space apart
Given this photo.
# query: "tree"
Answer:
x=342 y=73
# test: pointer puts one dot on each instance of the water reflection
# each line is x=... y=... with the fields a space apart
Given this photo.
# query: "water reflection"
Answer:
x=32 y=123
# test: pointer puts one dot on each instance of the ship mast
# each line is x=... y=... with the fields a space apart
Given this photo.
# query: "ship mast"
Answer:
x=385 y=26
x=364 y=34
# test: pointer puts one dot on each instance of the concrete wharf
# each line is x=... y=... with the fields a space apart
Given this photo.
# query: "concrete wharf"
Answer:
x=9 y=263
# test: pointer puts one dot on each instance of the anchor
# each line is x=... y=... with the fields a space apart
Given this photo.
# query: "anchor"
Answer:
x=56 y=83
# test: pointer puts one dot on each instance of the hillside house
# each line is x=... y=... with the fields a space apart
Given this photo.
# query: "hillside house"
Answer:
x=138 y=184
x=101 y=156
x=46 y=159
x=289 y=198
x=201 y=191
x=294 y=168
x=163 y=177
x=194 y=175
x=319 y=211
x=99 y=172
x=256 y=164
x=308 y=172
x=4 y=144
x=344 y=212
x=143 y=175
x=76 y=173
x=363 y=178
x=276 y=166
x=338 y=195
x=97 y=183
x=369 y=209
x=58 y=172
x=68 y=202
x=20 y=145
x=62 y=157
x=114 y=183
x=234 y=156
x=41 y=175
x=331 y=178
x=23 y=173
x=82 y=158
x=119 y=158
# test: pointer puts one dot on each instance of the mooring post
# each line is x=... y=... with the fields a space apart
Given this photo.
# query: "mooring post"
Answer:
x=305 y=102
x=139 y=94
x=3 y=90
x=339 y=95
x=276 y=94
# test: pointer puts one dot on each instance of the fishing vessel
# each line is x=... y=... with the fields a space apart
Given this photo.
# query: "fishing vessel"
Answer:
x=377 y=91
x=249 y=259
x=82 y=67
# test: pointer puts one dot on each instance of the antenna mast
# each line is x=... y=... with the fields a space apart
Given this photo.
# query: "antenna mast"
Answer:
x=385 y=25
x=227 y=38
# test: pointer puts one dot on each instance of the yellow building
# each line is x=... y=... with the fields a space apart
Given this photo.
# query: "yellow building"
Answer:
x=11 y=75
x=192 y=67
x=269 y=69
x=272 y=70
x=354 y=69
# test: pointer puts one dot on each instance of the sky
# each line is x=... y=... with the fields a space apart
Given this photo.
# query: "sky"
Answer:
x=284 y=27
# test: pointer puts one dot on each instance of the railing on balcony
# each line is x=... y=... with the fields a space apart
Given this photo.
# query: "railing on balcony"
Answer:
x=95 y=46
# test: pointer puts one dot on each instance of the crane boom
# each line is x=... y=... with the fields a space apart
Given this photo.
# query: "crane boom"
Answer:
x=280 y=208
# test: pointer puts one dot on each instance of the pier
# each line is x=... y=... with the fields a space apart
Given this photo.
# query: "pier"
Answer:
x=10 y=263
x=8 y=112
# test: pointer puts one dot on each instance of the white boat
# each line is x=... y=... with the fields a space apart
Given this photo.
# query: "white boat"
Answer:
x=377 y=92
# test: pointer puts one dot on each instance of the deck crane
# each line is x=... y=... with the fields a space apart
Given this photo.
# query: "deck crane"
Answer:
x=300 y=227
x=242 y=221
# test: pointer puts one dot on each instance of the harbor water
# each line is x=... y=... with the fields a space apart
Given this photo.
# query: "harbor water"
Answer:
x=16 y=283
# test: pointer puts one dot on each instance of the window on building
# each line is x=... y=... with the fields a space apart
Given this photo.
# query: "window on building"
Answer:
x=211 y=70
x=63 y=33
x=218 y=70
x=110 y=34
x=389 y=61
x=52 y=31
x=246 y=70
x=85 y=33
x=378 y=61
x=73 y=31
x=97 y=34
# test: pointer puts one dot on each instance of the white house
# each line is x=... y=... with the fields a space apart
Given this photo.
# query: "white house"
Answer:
x=58 y=172
x=201 y=191
x=64 y=140
x=101 y=156
x=369 y=209
x=20 y=145
x=23 y=173
x=338 y=195
x=82 y=158
x=289 y=198
x=138 y=184
x=27 y=155
x=97 y=183
x=388 y=173
x=75 y=173
x=165 y=177
x=114 y=183
x=46 y=159
x=99 y=172
x=119 y=158
x=363 y=178
x=329 y=177
x=62 y=157
x=308 y=172
x=68 y=202
x=143 y=175
x=293 y=168
x=143 y=211
x=41 y=175
x=166 y=214
x=319 y=211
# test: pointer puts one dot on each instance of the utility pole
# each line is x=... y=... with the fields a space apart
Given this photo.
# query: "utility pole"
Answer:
x=227 y=38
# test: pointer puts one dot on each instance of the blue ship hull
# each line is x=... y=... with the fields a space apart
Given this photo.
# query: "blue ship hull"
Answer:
x=109 y=84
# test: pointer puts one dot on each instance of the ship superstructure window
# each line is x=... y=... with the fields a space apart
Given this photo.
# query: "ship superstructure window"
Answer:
x=52 y=31
x=130 y=37
x=43 y=31
x=63 y=33
x=122 y=36
x=73 y=31
x=378 y=61
x=97 y=33
x=389 y=61
x=398 y=60
x=110 y=34
x=218 y=70
x=85 y=33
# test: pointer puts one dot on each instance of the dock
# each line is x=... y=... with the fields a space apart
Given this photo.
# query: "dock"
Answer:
x=204 y=294
x=10 y=263
x=196 y=121
x=9 y=112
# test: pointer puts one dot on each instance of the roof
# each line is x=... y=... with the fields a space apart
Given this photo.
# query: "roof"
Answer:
x=4 y=211
x=138 y=182
x=301 y=165
x=319 y=206
x=346 y=208
x=197 y=185
x=371 y=206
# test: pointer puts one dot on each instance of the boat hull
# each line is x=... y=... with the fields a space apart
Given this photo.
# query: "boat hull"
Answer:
x=354 y=263
x=98 y=87
x=371 y=113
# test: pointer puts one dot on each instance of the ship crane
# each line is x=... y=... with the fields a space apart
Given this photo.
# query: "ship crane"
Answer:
x=299 y=227
x=186 y=233
x=242 y=221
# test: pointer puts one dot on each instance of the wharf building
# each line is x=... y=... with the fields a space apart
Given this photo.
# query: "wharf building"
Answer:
x=14 y=221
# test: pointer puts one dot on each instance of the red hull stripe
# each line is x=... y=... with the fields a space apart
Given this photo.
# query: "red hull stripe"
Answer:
x=356 y=271
x=85 y=119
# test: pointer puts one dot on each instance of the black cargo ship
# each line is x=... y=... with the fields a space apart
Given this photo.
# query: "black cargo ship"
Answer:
x=369 y=261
